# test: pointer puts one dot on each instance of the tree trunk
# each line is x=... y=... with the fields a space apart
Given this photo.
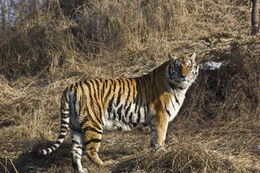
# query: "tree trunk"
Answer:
x=254 y=17
x=3 y=14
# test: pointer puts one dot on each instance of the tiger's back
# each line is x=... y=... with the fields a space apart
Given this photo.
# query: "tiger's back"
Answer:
x=88 y=107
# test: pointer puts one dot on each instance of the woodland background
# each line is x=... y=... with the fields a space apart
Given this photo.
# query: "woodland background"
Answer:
x=47 y=45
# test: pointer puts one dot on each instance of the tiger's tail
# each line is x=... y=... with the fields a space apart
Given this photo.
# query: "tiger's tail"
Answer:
x=65 y=118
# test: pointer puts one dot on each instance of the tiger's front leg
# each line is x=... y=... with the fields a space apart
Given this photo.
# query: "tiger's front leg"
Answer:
x=159 y=126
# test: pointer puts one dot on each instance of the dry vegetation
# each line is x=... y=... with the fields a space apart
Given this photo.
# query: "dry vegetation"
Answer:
x=43 y=50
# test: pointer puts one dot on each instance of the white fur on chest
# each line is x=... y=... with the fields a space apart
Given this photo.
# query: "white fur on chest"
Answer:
x=176 y=101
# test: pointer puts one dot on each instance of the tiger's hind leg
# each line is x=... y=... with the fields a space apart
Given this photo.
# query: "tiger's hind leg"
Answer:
x=92 y=144
x=77 y=149
x=93 y=140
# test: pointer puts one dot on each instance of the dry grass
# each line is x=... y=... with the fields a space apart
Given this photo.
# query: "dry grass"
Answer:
x=217 y=130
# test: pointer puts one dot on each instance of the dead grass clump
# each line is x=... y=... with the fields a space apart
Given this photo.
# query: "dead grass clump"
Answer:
x=37 y=41
x=46 y=37
x=228 y=93
x=184 y=156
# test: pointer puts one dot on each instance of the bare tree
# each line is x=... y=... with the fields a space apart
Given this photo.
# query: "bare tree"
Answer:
x=3 y=14
x=254 y=17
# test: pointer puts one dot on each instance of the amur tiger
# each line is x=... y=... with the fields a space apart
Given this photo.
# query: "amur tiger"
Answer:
x=88 y=107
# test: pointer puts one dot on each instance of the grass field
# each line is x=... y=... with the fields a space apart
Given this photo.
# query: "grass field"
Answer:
x=45 y=50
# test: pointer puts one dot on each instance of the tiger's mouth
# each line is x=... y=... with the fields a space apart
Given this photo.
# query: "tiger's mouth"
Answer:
x=179 y=78
x=178 y=81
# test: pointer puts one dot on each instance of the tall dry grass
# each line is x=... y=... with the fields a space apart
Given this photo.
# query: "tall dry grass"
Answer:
x=48 y=37
x=45 y=49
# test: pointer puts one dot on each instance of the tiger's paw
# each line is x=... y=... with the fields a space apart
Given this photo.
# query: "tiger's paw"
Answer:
x=160 y=151
x=83 y=170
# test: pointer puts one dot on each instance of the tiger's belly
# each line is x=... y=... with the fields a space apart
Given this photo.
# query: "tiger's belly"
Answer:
x=124 y=118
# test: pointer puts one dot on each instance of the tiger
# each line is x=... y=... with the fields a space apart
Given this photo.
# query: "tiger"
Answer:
x=91 y=106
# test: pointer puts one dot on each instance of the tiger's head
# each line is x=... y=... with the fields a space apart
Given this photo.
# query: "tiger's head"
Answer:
x=182 y=71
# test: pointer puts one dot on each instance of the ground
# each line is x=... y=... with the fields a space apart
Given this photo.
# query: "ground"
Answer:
x=218 y=126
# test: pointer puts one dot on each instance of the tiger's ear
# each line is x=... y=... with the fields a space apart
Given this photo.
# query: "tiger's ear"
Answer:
x=193 y=56
x=170 y=57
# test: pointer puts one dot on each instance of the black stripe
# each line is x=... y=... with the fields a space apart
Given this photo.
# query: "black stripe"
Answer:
x=83 y=92
x=77 y=152
x=127 y=109
x=76 y=85
x=131 y=117
x=118 y=97
x=63 y=106
x=114 y=115
x=80 y=84
x=80 y=97
x=63 y=131
x=94 y=90
x=64 y=115
x=139 y=115
x=50 y=149
x=74 y=141
x=145 y=89
x=169 y=114
x=133 y=124
x=109 y=109
x=103 y=88
x=90 y=95
x=123 y=86
x=65 y=95
x=108 y=93
x=128 y=93
x=55 y=146
x=64 y=126
x=75 y=99
x=88 y=128
x=123 y=120
x=63 y=122
x=145 y=112
x=176 y=99
x=61 y=136
x=100 y=114
x=98 y=92
x=139 y=95
x=106 y=82
x=180 y=88
x=134 y=90
x=71 y=87
x=119 y=112
x=172 y=104
x=93 y=140
x=79 y=147
x=58 y=142
x=114 y=85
